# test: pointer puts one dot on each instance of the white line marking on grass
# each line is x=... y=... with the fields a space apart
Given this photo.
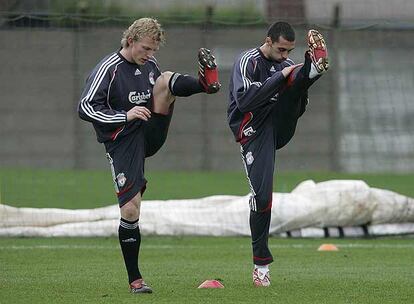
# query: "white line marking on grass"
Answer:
x=53 y=247
x=392 y=246
x=350 y=245
x=91 y=247
x=276 y=246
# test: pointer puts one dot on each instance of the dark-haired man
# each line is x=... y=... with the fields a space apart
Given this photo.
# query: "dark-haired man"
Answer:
x=268 y=94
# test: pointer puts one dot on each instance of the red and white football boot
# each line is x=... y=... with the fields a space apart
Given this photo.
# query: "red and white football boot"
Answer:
x=318 y=52
x=139 y=286
x=207 y=71
x=261 y=278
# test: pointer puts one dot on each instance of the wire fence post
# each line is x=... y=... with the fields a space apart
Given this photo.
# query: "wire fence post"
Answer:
x=77 y=141
x=205 y=134
x=335 y=123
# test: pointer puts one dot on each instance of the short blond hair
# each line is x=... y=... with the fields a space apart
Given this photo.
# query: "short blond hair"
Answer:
x=144 y=27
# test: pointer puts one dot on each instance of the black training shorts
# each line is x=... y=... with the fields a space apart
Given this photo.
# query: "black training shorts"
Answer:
x=126 y=156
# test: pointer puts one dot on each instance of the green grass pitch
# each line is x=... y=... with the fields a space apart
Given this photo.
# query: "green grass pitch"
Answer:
x=91 y=270
x=90 y=189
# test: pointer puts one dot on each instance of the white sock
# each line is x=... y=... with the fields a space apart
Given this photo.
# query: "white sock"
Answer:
x=313 y=72
x=262 y=270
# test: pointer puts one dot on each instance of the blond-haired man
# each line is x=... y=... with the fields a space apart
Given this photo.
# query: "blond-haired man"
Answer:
x=130 y=103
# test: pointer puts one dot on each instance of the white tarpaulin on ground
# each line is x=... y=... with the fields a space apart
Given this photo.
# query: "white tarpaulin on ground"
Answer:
x=334 y=208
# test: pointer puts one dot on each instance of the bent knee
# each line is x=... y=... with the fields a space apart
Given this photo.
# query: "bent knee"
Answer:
x=163 y=98
x=163 y=80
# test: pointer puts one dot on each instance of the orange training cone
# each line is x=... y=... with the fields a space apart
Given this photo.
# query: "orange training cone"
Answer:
x=328 y=247
x=211 y=284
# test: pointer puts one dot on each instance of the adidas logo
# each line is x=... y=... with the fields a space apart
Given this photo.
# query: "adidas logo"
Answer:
x=272 y=69
x=130 y=240
x=137 y=72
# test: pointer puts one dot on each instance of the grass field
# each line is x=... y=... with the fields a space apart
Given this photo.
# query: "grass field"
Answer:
x=90 y=189
x=91 y=270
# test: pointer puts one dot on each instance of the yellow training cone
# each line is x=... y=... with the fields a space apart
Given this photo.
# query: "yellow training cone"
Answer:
x=328 y=247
